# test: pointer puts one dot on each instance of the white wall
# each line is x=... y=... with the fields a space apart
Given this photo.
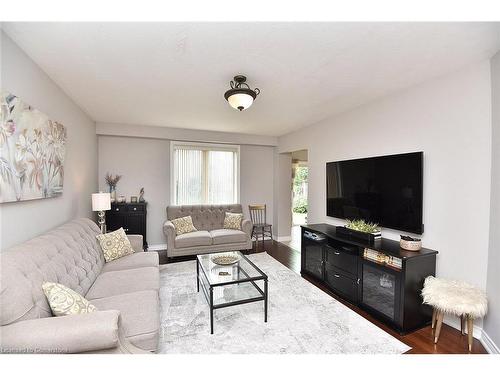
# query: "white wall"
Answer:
x=450 y=120
x=142 y=163
x=257 y=178
x=145 y=162
x=24 y=220
x=283 y=194
x=178 y=134
x=492 y=321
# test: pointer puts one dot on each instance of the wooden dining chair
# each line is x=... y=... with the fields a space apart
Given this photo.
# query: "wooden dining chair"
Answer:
x=258 y=217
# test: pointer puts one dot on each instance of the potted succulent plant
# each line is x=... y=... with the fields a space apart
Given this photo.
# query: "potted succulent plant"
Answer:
x=361 y=229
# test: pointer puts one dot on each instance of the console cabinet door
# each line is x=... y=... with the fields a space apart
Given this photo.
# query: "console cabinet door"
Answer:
x=135 y=224
x=313 y=258
x=115 y=220
x=382 y=290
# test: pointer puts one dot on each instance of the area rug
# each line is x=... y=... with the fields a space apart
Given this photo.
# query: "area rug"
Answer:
x=302 y=318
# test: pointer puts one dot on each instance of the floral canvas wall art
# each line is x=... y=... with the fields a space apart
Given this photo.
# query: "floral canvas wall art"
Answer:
x=32 y=149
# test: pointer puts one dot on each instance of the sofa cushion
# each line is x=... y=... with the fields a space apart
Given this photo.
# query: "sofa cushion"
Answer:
x=115 y=245
x=140 y=316
x=113 y=283
x=221 y=236
x=64 y=301
x=183 y=225
x=136 y=260
x=233 y=221
x=199 y=238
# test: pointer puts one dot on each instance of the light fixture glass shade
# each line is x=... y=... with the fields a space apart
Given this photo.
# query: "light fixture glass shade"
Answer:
x=101 y=202
x=240 y=101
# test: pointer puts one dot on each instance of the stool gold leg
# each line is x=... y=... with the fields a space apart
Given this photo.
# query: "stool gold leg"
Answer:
x=470 y=328
x=462 y=324
x=439 y=323
x=434 y=314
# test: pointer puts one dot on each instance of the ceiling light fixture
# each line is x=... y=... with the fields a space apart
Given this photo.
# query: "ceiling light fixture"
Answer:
x=240 y=96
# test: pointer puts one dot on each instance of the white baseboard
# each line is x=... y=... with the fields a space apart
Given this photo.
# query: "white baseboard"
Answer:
x=455 y=323
x=157 y=247
x=488 y=344
x=284 y=238
x=478 y=333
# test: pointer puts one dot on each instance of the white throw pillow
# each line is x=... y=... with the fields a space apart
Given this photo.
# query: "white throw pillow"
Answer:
x=115 y=245
x=65 y=301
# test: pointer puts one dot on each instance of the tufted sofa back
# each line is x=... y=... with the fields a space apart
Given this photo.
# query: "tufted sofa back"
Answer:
x=69 y=255
x=205 y=217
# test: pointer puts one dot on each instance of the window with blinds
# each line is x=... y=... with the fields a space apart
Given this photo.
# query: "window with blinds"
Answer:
x=204 y=173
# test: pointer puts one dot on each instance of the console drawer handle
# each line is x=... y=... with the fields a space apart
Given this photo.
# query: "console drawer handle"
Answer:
x=337 y=276
x=135 y=208
x=336 y=253
x=117 y=209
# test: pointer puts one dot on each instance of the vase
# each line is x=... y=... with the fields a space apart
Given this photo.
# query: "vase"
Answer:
x=112 y=193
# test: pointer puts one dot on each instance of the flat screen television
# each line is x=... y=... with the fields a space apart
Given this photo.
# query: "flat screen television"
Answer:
x=387 y=190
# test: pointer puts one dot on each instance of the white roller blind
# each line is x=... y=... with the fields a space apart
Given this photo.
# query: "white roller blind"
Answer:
x=205 y=174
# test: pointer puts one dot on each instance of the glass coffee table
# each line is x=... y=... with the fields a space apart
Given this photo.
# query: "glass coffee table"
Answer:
x=231 y=285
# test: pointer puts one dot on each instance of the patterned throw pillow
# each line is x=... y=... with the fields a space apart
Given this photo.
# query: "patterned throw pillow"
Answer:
x=233 y=221
x=184 y=225
x=115 y=245
x=65 y=301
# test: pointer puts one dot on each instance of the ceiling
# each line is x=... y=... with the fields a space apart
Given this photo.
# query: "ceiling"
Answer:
x=175 y=74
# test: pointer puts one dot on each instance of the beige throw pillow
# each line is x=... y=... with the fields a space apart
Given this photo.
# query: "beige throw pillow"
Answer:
x=184 y=225
x=115 y=245
x=233 y=221
x=65 y=301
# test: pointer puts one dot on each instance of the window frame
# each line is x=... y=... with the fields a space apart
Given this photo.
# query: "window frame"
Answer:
x=209 y=147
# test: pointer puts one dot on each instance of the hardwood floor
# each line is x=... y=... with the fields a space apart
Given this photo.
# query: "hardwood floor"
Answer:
x=451 y=341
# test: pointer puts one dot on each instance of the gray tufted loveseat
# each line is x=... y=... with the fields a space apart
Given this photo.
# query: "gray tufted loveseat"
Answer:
x=125 y=292
x=211 y=235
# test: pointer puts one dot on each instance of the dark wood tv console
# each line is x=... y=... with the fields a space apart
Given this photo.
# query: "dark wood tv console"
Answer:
x=380 y=278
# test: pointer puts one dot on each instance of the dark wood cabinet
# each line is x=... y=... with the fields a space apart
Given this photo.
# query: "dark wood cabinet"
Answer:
x=387 y=287
x=129 y=216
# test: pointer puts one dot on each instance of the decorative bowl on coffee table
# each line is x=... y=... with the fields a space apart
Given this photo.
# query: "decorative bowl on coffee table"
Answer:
x=225 y=259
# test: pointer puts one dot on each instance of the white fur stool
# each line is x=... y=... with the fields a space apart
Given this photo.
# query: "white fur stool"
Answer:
x=457 y=298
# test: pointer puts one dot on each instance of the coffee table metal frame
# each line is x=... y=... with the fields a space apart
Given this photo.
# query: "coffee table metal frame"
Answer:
x=209 y=294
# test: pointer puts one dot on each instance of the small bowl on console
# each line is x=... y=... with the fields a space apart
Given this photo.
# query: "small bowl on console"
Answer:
x=410 y=244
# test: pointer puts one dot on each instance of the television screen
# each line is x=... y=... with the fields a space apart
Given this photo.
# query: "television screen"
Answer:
x=387 y=190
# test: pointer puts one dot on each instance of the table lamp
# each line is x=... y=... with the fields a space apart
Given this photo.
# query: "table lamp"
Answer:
x=101 y=202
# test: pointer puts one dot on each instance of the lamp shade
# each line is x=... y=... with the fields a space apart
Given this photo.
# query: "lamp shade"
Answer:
x=240 y=101
x=101 y=202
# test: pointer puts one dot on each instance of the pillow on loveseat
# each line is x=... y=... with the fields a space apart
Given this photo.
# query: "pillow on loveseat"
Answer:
x=65 y=301
x=233 y=221
x=115 y=245
x=184 y=225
